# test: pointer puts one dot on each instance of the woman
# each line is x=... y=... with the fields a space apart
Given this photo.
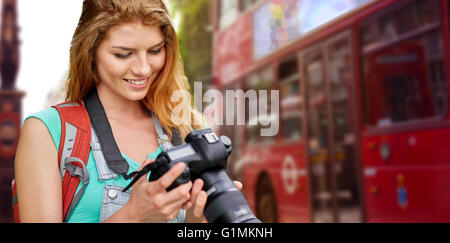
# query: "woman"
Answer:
x=128 y=51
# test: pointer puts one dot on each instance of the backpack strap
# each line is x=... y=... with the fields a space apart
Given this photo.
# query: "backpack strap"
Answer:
x=15 y=202
x=73 y=153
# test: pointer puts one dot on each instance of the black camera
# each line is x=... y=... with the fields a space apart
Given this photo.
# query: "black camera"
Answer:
x=206 y=157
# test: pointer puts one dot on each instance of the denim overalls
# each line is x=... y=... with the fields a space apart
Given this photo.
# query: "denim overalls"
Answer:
x=113 y=198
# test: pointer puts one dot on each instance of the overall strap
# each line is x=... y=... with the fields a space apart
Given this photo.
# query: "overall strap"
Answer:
x=163 y=139
x=104 y=173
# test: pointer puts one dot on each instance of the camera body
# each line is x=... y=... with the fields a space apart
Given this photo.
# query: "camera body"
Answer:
x=206 y=155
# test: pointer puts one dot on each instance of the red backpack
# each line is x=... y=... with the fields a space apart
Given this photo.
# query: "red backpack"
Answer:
x=73 y=155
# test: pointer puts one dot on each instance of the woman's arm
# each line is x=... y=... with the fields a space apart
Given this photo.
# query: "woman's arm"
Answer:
x=38 y=180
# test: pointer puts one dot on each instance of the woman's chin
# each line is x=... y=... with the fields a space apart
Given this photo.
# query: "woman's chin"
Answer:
x=135 y=96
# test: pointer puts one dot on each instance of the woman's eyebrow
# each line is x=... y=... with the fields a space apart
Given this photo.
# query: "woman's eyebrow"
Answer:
x=133 y=49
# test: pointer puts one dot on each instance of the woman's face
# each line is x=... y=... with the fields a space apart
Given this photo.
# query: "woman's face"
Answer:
x=129 y=59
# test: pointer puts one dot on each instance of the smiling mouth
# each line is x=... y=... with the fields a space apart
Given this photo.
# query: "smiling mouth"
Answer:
x=136 y=82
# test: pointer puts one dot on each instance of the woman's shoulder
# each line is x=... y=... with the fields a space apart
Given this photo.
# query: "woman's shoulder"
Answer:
x=51 y=119
x=48 y=113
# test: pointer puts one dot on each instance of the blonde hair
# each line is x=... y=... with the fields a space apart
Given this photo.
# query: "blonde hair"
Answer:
x=98 y=16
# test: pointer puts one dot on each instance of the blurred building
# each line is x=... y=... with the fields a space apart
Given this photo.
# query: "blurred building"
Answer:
x=10 y=104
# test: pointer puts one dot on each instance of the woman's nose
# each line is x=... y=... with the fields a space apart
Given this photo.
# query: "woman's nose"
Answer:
x=142 y=67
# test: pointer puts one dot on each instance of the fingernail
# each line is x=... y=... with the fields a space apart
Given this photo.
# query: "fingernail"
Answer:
x=181 y=166
x=189 y=205
x=204 y=196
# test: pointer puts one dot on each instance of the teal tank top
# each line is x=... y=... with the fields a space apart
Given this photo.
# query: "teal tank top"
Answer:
x=88 y=208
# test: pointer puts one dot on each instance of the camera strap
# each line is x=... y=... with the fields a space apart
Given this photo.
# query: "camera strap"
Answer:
x=102 y=128
x=138 y=174
x=111 y=152
x=165 y=144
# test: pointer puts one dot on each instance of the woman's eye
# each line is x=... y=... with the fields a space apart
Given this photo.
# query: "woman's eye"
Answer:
x=154 y=52
x=122 y=56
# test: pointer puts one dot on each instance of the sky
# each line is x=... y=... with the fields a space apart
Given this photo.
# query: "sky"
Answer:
x=46 y=30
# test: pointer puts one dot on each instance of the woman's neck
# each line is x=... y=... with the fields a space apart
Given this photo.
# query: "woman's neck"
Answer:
x=117 y=107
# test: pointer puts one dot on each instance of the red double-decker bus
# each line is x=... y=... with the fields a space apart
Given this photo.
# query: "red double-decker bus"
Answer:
x=364 y=128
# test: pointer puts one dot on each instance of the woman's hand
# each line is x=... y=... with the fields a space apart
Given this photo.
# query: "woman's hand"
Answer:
x=150 y=202
x=196 y=206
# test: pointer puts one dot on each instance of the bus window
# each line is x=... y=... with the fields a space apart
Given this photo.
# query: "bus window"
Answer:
x=247 y=4
x=259 y=81
x=403 y=65
x=290 y=100
x=229 y=11
x=317 y=104
x=341 y=81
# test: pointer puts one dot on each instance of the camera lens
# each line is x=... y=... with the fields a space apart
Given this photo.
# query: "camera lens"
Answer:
x=225 y=204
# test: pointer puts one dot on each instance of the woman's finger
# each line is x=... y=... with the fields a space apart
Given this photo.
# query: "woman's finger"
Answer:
x=176 y=198
x=179 y=194
x=170 y=176
x=186 y=205
x=179 y=199
x=200 y=203
x=238 y=185
x=196 y=188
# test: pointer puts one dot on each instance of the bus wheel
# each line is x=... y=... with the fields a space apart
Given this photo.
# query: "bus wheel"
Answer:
x=267 y=210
